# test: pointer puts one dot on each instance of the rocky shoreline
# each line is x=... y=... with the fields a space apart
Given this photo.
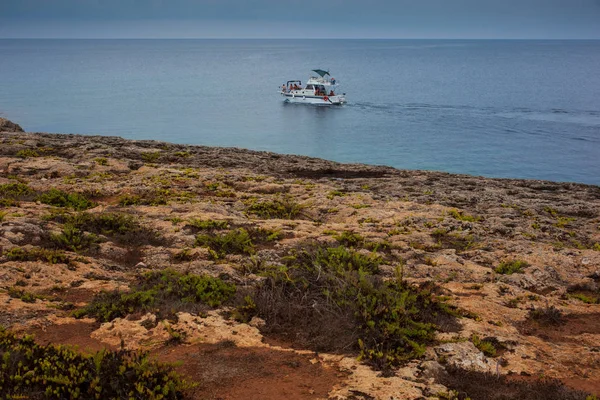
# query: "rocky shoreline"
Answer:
x=518 y=259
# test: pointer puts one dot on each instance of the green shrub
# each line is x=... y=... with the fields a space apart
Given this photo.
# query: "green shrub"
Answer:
x=27 y=153
x=37 y=254
x=207 y=225
x=349 y=238
x=485 y=346
x=24 y=296
x=123 y=228
x=459 y=215
x=156 y=197
x=237 y=241
x=101 y=161
x=330 y=299
x=58 y=198
x=15 y=190
x=32 y=371
x=151 y=157
x=548 y=315
x=511 y=267
x=164 y=292
x=73 y=239
x=2 y=215
x=280 y=208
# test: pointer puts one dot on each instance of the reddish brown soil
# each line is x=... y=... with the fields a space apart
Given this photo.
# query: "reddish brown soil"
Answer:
x=72 y=295
x=75 y=334
x=226 y=372
x=574 y=325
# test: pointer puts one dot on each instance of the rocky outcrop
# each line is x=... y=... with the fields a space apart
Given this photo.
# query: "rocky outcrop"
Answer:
x=9 y=126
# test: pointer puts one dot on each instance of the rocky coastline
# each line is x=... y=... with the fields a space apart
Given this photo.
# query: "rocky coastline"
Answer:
x=516 y=261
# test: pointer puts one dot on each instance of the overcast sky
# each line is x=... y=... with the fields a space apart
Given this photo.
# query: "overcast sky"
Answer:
x=550 y=19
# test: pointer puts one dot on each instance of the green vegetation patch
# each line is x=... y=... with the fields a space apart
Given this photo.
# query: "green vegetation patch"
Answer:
x=511 y=267
x=331 y=299
x=32 y=371
x=280 y=208
x=21 y=294
x=73 y=239
x=157 y=197
x=198 y=224
x=162 y=292
x=461 y=216
x=36 y=254
x=123 y=228
x=486 y=346
x=237 y=241
x=58 y=198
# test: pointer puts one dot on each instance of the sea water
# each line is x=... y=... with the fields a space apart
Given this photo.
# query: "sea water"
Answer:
x=524 y=109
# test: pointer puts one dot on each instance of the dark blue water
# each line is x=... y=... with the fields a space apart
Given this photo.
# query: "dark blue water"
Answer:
x=528 y=109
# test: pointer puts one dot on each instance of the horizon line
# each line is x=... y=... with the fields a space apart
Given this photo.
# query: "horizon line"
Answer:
x=284 y=38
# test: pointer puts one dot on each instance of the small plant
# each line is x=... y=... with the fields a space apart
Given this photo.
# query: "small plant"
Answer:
x=459 y=215
x=280 y=208
x=37 y=254
x=349 y=239
x=548 y=315
x=511 y=267
x=156 y=197
x=58 y=198
x=485 y=346
x=73 y=239
x=207 y=225
x=151 y=157
x=237 y=241
x=24 y=296
x=2 y=215
x=101 y=161
x=335 y=193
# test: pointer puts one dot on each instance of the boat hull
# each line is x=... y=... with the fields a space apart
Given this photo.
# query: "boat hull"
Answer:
x=316 y=100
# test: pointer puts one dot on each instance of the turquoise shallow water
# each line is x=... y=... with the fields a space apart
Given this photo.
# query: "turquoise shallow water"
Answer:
x=526 y=109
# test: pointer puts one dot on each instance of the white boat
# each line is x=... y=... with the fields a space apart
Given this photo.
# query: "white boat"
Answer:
x=319 y=90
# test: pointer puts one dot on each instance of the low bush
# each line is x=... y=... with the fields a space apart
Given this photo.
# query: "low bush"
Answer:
x=157 y=197
x=349 y=239
x=58 y=198
x=24 y=296
x=330 y=299
x=237 y=241
x=198 y=225
x=548 y=315
x=162 y=292
x=484 y=345
x=15 y=191
x=511 y=267
x=459 y=215
x=32 y=371
x=36 y=254
x=73 y=239
x=123 y=228
x=280 y=208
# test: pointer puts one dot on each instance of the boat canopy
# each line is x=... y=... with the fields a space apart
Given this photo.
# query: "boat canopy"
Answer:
x=321 y=72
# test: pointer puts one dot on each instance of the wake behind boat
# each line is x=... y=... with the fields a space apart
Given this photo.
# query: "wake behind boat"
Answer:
x=319 y=90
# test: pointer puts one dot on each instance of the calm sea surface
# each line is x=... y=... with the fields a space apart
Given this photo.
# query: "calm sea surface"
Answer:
x=528 y=109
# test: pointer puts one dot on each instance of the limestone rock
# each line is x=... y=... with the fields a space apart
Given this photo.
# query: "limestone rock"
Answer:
x=9 y=126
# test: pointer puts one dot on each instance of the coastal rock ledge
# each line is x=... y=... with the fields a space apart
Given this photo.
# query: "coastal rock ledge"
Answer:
x=265 y=276
x=9 y=126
